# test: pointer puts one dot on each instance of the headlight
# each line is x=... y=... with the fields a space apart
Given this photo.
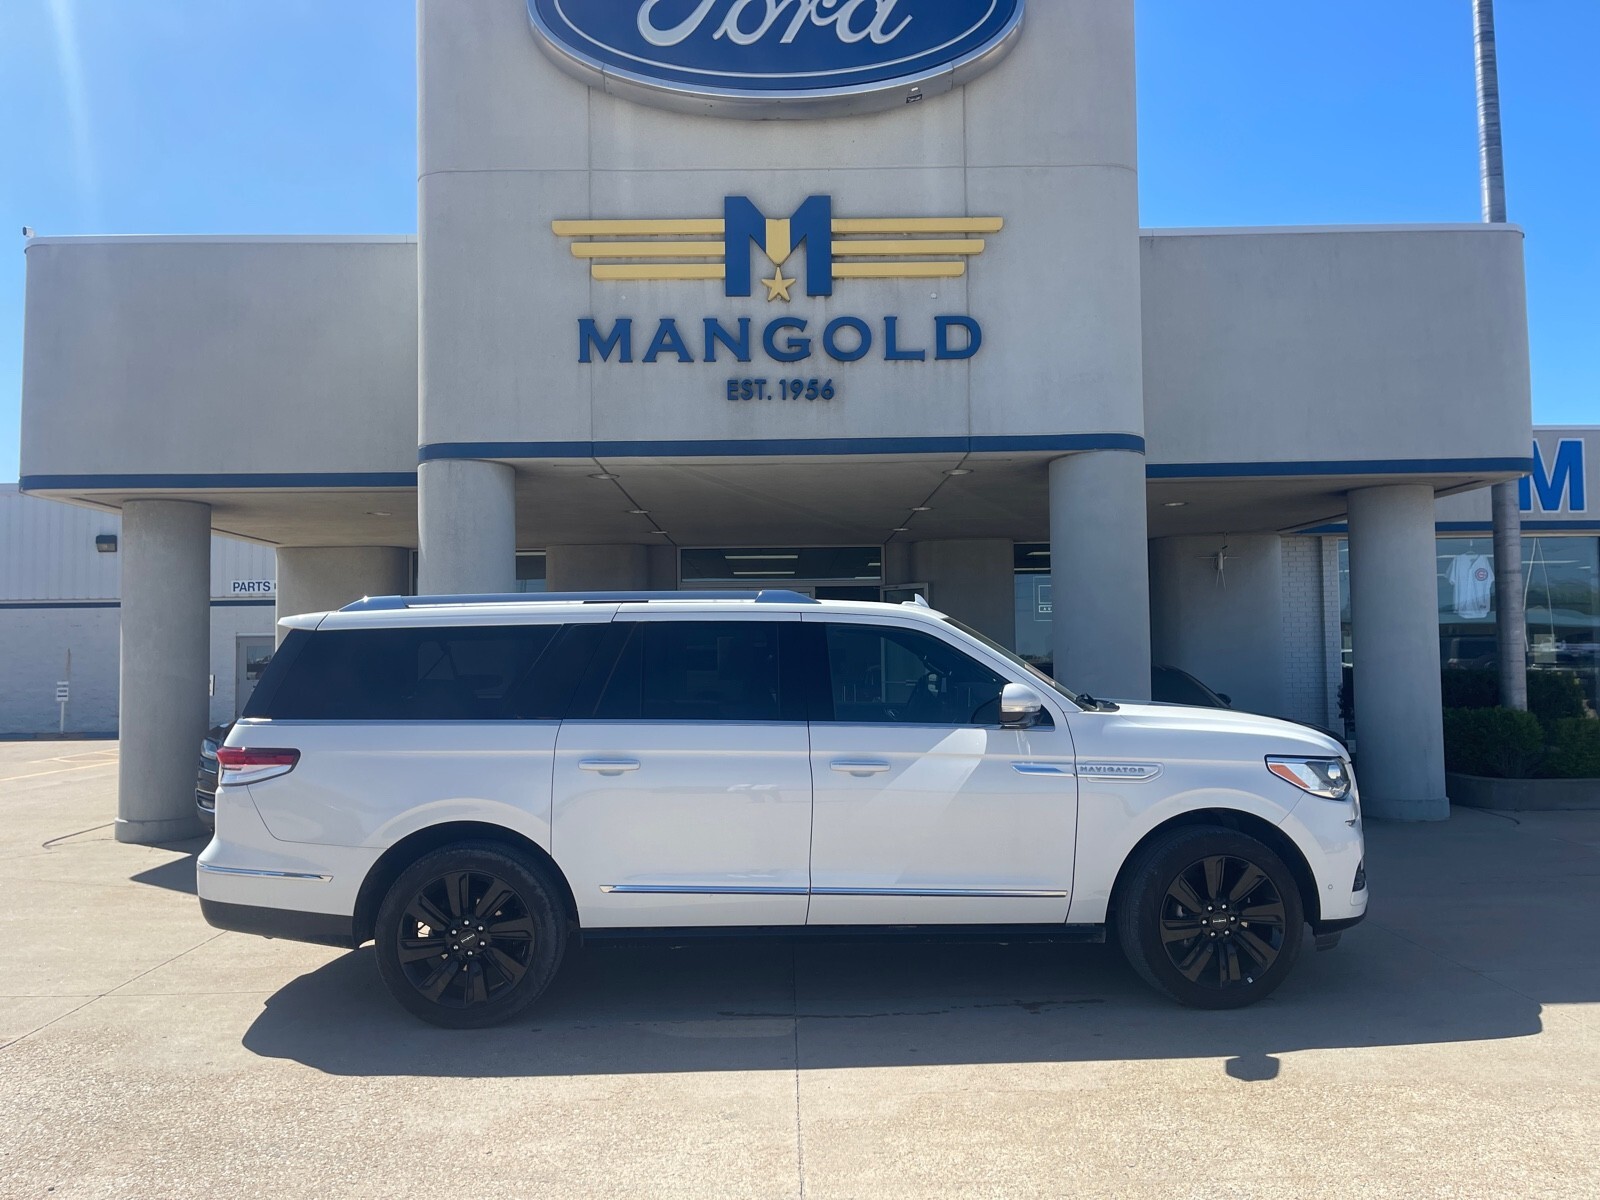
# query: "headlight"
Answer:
x=1325 y=777
x=208 y=750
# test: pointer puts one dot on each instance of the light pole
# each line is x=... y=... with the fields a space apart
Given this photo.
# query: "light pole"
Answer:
x=1510 y=620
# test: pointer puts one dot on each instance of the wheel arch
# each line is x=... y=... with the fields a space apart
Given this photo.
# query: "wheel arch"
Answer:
x=408 y=849
x=1264 y=831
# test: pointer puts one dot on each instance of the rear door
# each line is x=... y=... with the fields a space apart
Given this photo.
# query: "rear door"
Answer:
x=682 y=790
x=927 y=811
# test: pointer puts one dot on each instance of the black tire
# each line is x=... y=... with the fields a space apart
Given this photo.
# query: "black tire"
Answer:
x=501 y=936
x=1237 y=901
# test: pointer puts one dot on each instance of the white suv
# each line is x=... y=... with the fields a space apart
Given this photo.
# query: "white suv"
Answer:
x=474 y=782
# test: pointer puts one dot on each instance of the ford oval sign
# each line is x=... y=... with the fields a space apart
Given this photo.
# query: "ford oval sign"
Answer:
x=767 y=59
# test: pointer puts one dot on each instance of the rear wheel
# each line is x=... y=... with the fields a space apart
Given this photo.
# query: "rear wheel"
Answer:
x=1211 y=917
x=469 y=935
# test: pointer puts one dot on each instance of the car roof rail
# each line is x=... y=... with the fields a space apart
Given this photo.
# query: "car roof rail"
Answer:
x=400 y=603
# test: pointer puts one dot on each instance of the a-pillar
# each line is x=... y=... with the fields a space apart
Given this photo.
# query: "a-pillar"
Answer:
x=1394 y=618
x=166 y=663
x=597 y=568
x=1100 y=574
x=321 y=579
x=467 y=514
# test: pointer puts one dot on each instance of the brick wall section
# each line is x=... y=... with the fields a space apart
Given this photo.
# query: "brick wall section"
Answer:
x=1305 y=684
x=1332 y=629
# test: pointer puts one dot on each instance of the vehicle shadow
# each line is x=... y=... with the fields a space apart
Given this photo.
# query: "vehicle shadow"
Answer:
x=177 y=875
x=730 y=1006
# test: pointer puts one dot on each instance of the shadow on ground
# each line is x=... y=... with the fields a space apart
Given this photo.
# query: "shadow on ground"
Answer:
x=731 y=1007
x=1476 y=925
x=177 y=875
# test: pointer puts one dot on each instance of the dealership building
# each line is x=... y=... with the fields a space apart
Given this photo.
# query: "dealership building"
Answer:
x=849 y=297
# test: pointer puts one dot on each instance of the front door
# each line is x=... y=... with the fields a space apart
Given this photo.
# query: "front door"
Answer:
x=927 y=811
x=682 y=781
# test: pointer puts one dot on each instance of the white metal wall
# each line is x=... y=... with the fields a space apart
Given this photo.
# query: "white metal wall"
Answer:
x=59 y=594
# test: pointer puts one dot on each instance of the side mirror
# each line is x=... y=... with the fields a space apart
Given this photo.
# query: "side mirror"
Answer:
x=1225 y=698
x=1020 y=706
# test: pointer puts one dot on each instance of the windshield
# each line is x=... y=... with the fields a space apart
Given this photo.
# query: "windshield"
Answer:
x=1014 y=658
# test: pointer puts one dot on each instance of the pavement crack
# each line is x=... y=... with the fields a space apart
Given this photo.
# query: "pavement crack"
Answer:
x=55 y=841
x=102 y=995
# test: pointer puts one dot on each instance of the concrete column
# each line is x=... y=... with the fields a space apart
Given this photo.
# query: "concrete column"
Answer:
x=1204 y=608
x=467 y=512
x=972 y=580
x=320 y=579
x=897 y=565
x=166 y=659
x=597 y=568
x=1100 y=574
x=663 y=568
x=1394 y=615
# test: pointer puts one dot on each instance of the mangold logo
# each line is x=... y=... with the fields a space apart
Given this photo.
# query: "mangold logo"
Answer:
x=728 y=249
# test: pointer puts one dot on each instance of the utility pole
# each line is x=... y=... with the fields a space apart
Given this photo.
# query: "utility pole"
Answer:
x=1510 y=620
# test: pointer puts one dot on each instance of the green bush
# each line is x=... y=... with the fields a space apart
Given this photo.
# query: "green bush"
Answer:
x=1575 y=749
x=1470 y=687
x=1552 y=695
x=1555 y=696
x=1499 y=743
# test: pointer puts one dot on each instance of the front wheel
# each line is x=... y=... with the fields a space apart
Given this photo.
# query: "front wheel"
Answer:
x=469 y=935
x=1211 y=917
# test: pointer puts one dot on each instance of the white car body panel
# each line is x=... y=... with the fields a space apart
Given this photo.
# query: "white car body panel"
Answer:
x=708 y=824
x=725 y=824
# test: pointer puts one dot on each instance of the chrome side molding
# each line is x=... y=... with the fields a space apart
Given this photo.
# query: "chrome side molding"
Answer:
x=257 y=874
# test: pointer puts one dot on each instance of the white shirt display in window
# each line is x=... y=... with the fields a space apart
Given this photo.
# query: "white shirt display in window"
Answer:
x=1472 y=576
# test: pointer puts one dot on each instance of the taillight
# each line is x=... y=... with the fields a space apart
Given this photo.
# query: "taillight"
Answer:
x=249 y=764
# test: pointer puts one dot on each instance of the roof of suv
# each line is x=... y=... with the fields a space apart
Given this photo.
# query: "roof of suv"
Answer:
x=505 y=609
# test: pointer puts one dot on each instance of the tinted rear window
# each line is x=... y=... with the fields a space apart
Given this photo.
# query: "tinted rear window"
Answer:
x=697 y=671
x=435 y=673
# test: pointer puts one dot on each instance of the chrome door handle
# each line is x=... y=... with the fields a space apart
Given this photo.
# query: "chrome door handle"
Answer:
x=608 y=766
x=861 y=767
x=1031 y=768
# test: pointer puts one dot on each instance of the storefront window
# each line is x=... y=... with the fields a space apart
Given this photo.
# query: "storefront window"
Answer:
x=1561 y=583
x=849 y=564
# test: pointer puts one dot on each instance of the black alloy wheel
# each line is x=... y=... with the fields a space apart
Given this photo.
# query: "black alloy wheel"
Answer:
x=469 y=935
x=1211 y=917
x=1222 y=922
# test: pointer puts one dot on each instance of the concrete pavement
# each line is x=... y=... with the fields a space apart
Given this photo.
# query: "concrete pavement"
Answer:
x=1450 y=1047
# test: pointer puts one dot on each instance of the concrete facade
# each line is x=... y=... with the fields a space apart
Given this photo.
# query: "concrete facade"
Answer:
x=513 y=380
x=320 y=578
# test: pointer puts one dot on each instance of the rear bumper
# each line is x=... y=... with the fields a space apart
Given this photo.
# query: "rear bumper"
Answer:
x=323 y=929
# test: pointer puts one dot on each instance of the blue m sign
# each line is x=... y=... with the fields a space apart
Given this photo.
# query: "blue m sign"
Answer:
x=1564 y=477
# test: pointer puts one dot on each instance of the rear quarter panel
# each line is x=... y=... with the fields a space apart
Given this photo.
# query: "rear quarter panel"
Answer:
x=371 y=784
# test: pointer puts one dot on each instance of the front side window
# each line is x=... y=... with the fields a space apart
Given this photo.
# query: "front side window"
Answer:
x=695 y=671
x=882 y=674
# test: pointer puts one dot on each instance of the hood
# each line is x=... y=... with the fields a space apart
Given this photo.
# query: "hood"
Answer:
x=1277 y=736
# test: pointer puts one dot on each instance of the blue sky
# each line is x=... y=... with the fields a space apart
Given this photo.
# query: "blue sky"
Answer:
x=290 y=116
